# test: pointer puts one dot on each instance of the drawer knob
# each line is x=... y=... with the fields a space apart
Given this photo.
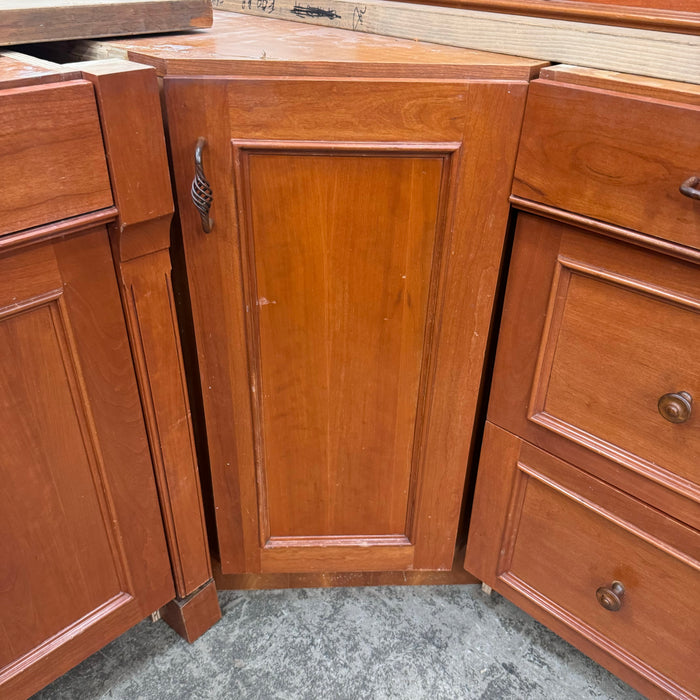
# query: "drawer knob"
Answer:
x=676 y=407
x=611 y=597
x=691 y=187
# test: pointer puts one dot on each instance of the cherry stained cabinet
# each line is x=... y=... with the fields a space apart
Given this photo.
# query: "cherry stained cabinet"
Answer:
x=86 y=337
x=342 y=300
x=586 y=509
x=83 y=551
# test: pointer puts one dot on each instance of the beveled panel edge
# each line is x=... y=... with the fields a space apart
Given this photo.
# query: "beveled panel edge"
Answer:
x=339 y=541
x=81 y=400
x=50 y=645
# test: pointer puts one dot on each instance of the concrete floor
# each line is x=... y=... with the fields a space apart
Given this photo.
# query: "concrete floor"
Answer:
x=420 y=642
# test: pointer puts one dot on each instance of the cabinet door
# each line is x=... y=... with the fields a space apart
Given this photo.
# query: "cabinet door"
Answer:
x=82 y=550
x=342 y=303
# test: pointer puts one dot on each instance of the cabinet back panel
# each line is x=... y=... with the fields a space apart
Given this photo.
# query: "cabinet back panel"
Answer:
x=343 y=249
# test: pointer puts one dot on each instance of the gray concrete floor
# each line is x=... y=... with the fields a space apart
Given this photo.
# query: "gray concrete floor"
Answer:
x=419 y=642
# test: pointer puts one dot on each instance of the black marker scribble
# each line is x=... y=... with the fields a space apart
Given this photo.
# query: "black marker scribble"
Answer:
x=357 y=16
x=309 y=11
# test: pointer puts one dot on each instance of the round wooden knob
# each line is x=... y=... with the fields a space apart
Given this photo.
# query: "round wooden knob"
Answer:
x=611 y=597
x=676 y=407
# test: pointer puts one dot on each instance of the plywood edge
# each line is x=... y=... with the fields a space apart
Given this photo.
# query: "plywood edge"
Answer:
x=651 y=53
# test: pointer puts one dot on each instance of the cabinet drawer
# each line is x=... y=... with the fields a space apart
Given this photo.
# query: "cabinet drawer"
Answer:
x=617 y=158
x=565 y=537
x=595 y=333
x=52 y=161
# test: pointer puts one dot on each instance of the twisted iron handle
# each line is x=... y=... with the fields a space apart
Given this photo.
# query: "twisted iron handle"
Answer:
x=201 y=189
x=690 y=187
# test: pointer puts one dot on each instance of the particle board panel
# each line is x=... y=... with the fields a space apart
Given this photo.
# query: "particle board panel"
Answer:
x=26 y=21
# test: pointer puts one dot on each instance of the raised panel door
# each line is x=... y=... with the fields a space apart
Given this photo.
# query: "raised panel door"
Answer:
x=342 y=302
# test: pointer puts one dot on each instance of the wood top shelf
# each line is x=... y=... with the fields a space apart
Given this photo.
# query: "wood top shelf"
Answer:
x=239 y=44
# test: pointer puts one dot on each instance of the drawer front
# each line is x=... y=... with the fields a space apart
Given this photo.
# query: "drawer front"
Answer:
x=617 y=158
x=52 y=161
x=604 y=330
x=611 y=569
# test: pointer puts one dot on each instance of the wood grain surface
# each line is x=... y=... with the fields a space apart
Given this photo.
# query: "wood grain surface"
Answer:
x=50 y=144
x=19 y=70
x=666 y=15
x=629 y=363
x=358 y=389
x=615 y=157
x=547 y=535
x=27 y=21
x=343 y=295
x=661 y=54
x=244 y=45
x=84 y=555
x=624 y=83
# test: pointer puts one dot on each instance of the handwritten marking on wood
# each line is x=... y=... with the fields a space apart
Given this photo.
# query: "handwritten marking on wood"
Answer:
x=645 y=52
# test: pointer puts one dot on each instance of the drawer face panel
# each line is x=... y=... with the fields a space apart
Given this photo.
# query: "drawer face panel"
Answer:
x=569 y=535
x=594 y=333
x=52 y=161
x=617 y=158
x=611 y=348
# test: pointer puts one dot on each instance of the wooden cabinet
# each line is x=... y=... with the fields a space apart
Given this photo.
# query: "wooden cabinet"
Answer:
x=586 y=510
x=84 y=235
x=343 y=296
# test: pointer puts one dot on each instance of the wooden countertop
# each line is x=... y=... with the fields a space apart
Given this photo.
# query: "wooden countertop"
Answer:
x=244 y=45
x=20 y=70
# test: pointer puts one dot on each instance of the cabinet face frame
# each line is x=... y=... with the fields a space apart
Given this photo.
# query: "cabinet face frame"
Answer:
x=242 y=116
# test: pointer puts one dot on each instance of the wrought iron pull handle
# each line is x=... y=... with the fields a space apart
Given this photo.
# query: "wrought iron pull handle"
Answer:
x=676 y=407
x=611 y=597
x=201 y=189
x=690 y=187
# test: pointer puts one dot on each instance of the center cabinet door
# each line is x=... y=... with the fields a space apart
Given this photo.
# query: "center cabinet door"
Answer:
x=341 y=305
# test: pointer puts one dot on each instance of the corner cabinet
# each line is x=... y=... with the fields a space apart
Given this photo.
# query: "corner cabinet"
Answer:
x=587 y=505
x=341 y=280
